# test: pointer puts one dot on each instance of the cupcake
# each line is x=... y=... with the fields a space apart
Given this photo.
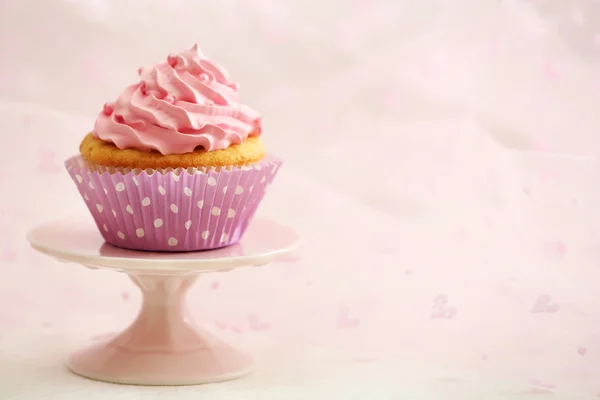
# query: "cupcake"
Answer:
x=176 y=163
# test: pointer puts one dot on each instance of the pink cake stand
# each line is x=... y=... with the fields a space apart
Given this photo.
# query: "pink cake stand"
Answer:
x=162 y=346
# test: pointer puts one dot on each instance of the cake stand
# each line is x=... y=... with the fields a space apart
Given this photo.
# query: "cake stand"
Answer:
x=162 y=346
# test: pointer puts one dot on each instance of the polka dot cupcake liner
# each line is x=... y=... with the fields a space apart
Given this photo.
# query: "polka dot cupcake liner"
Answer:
x=172 y=209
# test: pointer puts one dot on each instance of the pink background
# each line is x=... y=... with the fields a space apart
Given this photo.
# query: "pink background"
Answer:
x=441 y=165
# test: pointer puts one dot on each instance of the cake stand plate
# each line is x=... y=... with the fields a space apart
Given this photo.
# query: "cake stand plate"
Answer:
x=163 y=346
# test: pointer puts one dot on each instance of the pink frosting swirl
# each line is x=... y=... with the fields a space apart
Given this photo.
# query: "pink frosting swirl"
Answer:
x=179 y=104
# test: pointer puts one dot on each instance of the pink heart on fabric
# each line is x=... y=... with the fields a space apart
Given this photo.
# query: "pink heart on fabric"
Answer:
x=224 y=326
x=549 y=69
x=8 y=256
x=543 y=305
x=555 y=248
x=8 y=253
x=26 y=120
x=542 y=385
x=548 y=174
x=582 y=351
x=103 y=336
x=441 y=310
x=221 y=325
x=290 y=258
x=47 y=163
x=256 y=324
x=345 y=320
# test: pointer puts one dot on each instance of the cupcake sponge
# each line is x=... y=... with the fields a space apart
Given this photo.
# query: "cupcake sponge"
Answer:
x=104 y=153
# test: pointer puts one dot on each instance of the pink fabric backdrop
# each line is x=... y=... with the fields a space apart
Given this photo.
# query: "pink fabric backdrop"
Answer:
x=440 y=165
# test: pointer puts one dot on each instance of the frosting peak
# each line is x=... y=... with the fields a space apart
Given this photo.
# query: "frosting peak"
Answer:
x=179 y=104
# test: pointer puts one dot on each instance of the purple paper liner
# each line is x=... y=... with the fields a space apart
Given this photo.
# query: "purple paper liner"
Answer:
x=172 y=209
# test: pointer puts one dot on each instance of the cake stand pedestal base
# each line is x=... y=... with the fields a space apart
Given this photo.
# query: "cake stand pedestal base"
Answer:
x=162 y=346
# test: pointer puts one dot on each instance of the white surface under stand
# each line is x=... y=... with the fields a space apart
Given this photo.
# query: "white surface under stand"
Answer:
x=162 y=346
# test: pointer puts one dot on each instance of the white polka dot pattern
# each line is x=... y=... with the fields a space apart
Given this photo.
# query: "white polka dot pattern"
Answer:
x=183 y=211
